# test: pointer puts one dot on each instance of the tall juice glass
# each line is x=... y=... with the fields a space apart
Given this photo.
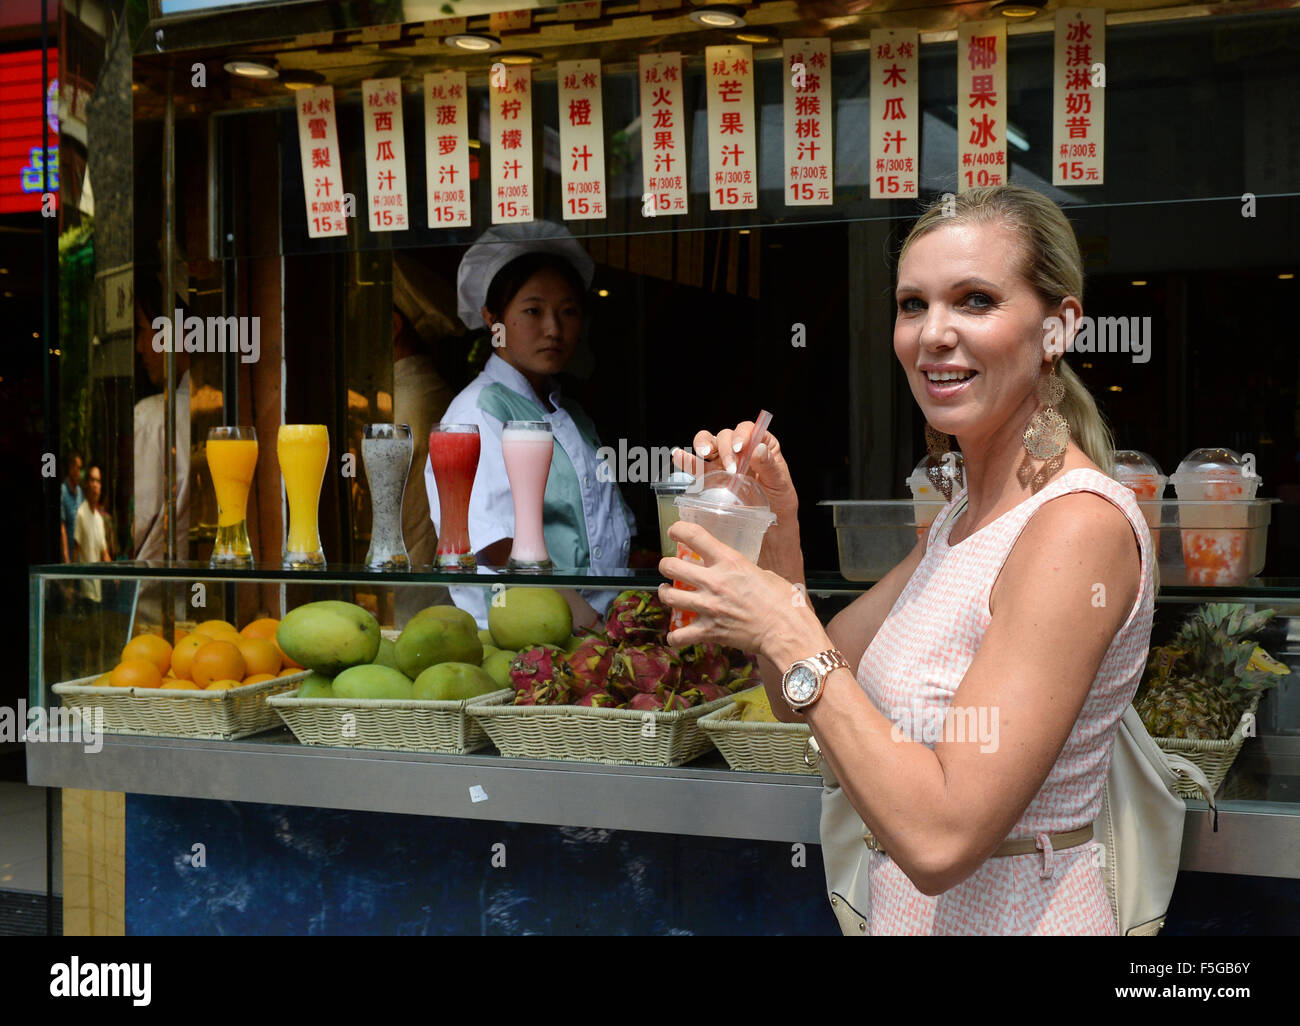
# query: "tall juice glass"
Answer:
x=304 y=450
x=232 y=459
x=527 y=446
x=386 y=451
x=454 y=452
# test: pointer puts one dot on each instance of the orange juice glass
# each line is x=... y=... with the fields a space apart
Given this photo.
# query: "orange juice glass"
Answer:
x=232 y=459
x=304 y=451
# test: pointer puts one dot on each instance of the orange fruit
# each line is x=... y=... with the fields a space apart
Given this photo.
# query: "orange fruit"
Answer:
x=104 y=680
x=259 y=678
x=264 y=628
x=222 y=685
x=217 y=660
x=179 y=685
x=260 y=655
x=135 y=673
x=216 y=628
x=183 y=653
x=150 y=647
x=179 y=635
x=288 y=664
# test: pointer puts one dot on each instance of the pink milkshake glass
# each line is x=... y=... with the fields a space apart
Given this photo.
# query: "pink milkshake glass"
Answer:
x=527 y=446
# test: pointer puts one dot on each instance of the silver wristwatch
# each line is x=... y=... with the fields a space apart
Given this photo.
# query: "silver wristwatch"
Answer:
x=804 y=682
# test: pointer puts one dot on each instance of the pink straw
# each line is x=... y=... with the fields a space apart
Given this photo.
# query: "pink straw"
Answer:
x=760 y=428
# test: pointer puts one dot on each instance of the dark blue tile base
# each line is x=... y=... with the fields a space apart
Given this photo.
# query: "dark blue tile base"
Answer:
x=285 y=871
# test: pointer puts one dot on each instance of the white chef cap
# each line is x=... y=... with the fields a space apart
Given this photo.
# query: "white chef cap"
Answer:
x=503 y=243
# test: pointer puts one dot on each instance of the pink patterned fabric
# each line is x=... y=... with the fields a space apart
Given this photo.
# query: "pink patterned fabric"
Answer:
x=917 y=661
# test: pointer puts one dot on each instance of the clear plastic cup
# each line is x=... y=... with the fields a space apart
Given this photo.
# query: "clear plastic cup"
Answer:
x=1141 y=473
x=927 y=496
x=1218 y=550
x=666 y=492
x=734 y=510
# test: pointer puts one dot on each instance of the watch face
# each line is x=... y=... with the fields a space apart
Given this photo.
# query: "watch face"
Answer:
x=801 y=684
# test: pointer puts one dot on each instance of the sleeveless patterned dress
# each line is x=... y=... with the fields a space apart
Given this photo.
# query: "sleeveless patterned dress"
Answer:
x=917 y=661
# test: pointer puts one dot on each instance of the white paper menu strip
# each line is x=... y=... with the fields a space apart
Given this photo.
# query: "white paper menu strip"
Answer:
x=510 y=96
x=895 y=114
x=809 y=174
x=582 y=139
x=446 y=150
x=664 y=171
x=1079 y=97
x=733 y=145
x=981 y=104
x=322 y=170
x=381 y=106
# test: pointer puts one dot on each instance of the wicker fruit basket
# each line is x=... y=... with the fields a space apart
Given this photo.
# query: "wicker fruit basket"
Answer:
x=1214 y=758
x=404 y=725
x=617 y=737
x=163 y=712
x=758 y=747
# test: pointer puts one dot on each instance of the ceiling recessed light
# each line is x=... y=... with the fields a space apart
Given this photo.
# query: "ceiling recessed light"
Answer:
x=716 y=16
x=301 y=79
x=744 y=231
x=521 y=57
x=602 y=293
x=1115 y=388
x=1018 y=8
x=757 y=38
x=478 y=42
x=1286 y=277
x=1137 y=283
x=251 y=67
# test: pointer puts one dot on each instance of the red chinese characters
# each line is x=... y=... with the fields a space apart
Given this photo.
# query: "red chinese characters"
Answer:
x=510 y=108
x=582 y=139
x=1078 y=113
x=381 y=100
x=807 y=115
x=895 y=114
x=663 y=141
x=733 y=164
x=446 y=150
x=981 y=108
x=327 y=207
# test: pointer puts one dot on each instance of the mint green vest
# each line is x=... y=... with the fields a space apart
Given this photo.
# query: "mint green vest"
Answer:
x=563 y=522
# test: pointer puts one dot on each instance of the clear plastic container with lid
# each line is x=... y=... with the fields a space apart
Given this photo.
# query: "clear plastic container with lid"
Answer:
x=1214 y=474
x=927 y=497
x=1140 y=472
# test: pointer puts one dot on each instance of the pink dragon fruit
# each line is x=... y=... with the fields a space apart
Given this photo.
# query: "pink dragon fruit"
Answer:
x=703 y=664
x=637 y=618
x=642 y=702
x=744 y=670
x=644 y=670
x=675 y=700
x=541 y=676
x=712 y=692
x=590 y=663
x=598 y=700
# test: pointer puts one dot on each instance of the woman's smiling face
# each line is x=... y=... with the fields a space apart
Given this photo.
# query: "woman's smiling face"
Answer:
x=969 y=329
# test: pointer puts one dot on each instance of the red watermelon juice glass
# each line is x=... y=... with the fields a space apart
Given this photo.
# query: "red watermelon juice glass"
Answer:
x=453 y=452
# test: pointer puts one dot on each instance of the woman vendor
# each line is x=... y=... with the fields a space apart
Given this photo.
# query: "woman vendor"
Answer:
x=527 y=283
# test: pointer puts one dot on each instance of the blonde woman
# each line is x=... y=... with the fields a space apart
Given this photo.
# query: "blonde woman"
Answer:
x=970 y=699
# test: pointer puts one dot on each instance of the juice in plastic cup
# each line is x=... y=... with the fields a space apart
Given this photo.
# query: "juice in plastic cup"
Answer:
x=527 y=446
x=927 y=498
x=454 y=452
x=1217 y=554
x=731 y=508
x=304 y=452
x=232 y=460
x=1141 y=473
x=386 y=451
x=666 y=492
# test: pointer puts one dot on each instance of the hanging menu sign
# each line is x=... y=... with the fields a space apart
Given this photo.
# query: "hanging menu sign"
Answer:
x=808 y=172
x=1079 y=96
x=322 y=172
x=510 y=21
x=446 y=149
x=578 y=11
x=510 y=95
x=895 y=114
x=733 y=146
x=582 y=139
x=981 y=104
x=385 y=154
x=663 y=138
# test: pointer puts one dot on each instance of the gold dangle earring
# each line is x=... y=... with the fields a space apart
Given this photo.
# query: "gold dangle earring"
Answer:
x=1047 y=432
x=937 y=445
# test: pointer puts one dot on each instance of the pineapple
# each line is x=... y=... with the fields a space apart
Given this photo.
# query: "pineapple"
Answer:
x=1199 y=686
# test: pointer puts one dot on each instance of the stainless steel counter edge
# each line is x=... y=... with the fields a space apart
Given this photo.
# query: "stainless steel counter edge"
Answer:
x=1254 y=838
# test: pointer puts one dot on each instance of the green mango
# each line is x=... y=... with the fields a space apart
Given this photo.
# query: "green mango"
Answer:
x=387 y=654
x=372 y=681
x=497 y=666
x=448 y=682
x=524 y=617
x=329 y=637
x=429 y=640
x=316 y=685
